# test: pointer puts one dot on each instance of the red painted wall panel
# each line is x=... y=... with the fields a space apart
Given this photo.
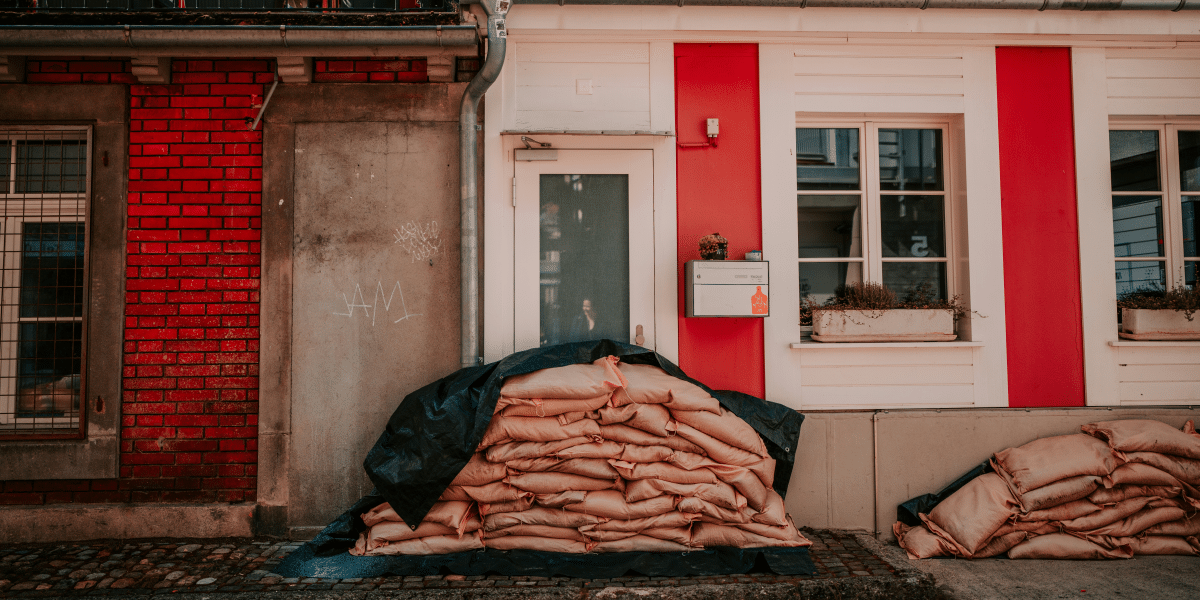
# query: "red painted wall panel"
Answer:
x=1040 y=227
x=718 y=191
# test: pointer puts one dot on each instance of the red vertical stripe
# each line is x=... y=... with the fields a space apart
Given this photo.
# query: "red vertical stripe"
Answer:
x=719 y=191
x=1040 y=227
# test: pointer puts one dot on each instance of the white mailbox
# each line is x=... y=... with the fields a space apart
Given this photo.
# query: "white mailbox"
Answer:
x=727 y=288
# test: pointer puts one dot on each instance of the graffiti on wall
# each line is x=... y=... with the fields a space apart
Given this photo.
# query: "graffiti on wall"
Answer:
x=420 y=241
x=357 y=302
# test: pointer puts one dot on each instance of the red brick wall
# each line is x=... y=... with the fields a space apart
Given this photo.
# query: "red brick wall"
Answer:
x=190 y=406
x=368 y=69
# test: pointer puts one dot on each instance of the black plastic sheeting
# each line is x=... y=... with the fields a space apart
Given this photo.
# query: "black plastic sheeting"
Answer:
x=436 y=429
x=907 y=512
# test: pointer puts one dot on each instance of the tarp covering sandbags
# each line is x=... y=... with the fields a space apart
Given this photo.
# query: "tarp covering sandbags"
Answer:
x=586 y=459
x=1117 y=489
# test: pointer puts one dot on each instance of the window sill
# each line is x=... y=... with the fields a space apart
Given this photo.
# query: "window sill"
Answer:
x=808 y=345
x=1158 y=344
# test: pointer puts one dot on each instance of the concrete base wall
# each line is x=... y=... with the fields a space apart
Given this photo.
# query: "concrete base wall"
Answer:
x=853 y=469
x=20 y=524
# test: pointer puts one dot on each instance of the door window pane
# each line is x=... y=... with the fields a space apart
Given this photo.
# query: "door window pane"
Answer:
x=913 y=226
x=1143 y=275
x=584 y=223
x=906 y=277
x=51 y=166
x=827 y=159
x=819 y=281
x=910 y=159
x=829 y=226
x=1137 y=226
x=1189 y=161
x=1133 y=157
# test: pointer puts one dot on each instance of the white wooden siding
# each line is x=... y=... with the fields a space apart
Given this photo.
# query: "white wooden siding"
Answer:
x=878 y=79
x=1158 y=375
x=853 y=378
x=1153 y=82
x=545 y=97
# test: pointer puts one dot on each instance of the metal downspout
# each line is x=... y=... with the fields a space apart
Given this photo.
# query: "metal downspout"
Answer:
x=468 y=126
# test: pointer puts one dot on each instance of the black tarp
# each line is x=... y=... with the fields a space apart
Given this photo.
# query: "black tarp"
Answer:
x=907 y=512
x=435 y=430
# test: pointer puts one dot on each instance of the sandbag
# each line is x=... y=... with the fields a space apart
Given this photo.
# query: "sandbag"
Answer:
x=588 y=467
x=436 y=544
x=667 y=520
x=479 y=471
x=382 y=533
x=679 y=535
x=1186 y=470
x=1053 y=494
x=1062 y=545
x=644 y=454
x=773 y=512
x=601 y=535
x=709 y=535
x=1124 y=492
x=970 y=516
x=544 y=544
x=560 y=499
x=534 y=429
x=454 y=493
x=788 y=533
x=450 y=514
x=648 y=384
x=716 y=449
x=651 y=418
x=1001 y=544
x=502 y=453
x=519 y=504
x=639 y=543
x=764 y=469
x=1139 y=474
x=1063 y=512
x=1187 y=526
x=1140 y=521
x=919 y=543
x=1107 y=515
x=540 y=516
x=1046 y=460
x=711 y=513
x=549 y=483
x=630 y=435
x=599 y=378
x=721 y=494
x=1163 y=544
x=544 y=531
x=748 y=484
x=548 y=407
x=611 y=504
x=570 y=417
x=604 y=450
x=662 y=471
x=1145 y=435
x=494 y=493
x=724 y=426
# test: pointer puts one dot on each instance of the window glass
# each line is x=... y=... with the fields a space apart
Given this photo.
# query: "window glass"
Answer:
x=1189 y=161
x=1137 y=226
x=913 y=226
x=905 y=277
x=1189 y=273
x=49 y=357
x=1143 y=275
x=51 y=166
x=1191 y=226
x=584 y=257
x=910 y=159
x=819 y=281
x=1133 y=157
x=829 y=226
x=827 y=159
x=5 y=161
x=52 y=270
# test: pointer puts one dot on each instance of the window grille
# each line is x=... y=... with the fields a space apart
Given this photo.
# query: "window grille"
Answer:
x=231 y=5
x=43 y=191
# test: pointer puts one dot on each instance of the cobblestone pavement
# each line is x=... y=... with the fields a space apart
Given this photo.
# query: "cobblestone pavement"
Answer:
x=140 y=567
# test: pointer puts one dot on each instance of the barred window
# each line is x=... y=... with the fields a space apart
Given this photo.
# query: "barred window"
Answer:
x=44 y=192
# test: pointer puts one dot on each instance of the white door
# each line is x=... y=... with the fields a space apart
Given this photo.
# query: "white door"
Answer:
x=584 y=247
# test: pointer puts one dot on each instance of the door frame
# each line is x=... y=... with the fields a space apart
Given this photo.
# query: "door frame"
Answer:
x=499 y=260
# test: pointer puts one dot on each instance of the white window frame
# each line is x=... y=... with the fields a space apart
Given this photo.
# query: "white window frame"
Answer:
x=872 y=258
x=32 y=208
x=1174 y=261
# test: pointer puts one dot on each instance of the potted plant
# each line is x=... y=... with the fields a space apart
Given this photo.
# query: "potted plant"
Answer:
x=870 y=312
x=1155 y=314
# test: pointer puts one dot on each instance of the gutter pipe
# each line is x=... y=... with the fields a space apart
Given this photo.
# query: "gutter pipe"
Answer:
x=468 y=127
x=263 y=36
x=1039 y=5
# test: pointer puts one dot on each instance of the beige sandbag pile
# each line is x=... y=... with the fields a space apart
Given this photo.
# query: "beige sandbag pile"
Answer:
x=601 y=457
x=1118 y=489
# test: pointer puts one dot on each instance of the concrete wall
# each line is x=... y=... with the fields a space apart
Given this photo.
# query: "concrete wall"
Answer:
x=843 y=456
x=361 y=282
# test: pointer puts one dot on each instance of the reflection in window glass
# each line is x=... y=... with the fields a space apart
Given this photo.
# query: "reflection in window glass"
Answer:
x=49 y=357
x=819 y=281
x=51 y=166
x=584 y=224
x=52 y=270
x=829 y=226
x=905 y=277
x=913 y=226
x=1141 y=275
x=827 y=159
x=1133 y=156
x=1189 y=161
x=910 y=159
x=1137 y=226
x=1191 y=226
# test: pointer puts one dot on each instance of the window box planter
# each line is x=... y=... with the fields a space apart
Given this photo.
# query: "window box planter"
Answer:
x=893 y=325
x=1144 y=324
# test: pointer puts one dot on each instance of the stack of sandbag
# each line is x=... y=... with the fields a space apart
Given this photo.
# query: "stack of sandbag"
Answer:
x=601 y=457
x=1118 y=489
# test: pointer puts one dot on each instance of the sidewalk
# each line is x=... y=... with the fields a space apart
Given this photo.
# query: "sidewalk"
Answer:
x=241 y=568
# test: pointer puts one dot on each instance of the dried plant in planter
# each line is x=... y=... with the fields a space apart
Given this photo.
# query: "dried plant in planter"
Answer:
x=1183 y=299
x=876 y=298
x=713 y=247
